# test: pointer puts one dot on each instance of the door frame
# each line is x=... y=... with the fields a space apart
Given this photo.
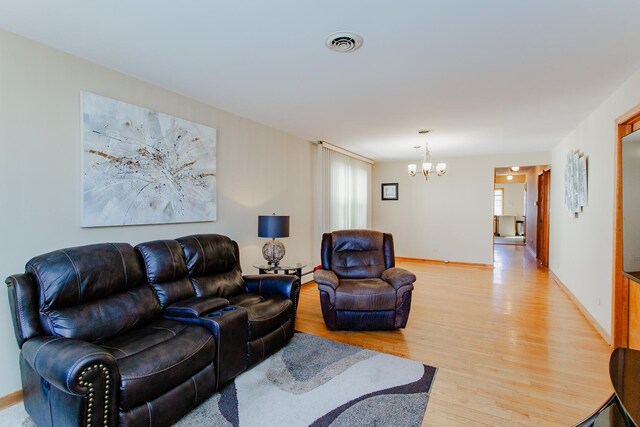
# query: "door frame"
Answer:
x=542 y=226
x=625 y=124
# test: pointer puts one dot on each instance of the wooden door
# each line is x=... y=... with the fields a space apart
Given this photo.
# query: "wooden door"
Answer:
x=542 y=237
x=626 y=293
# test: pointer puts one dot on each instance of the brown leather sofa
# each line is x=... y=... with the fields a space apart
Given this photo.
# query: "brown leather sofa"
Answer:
x=112 y=335
x=360 y=287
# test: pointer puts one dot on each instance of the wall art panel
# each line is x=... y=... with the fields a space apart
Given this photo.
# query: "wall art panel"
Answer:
x=144 y=167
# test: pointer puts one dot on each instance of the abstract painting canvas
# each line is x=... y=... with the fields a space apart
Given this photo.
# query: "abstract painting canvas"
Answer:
x=575 y=182
x=144 y=167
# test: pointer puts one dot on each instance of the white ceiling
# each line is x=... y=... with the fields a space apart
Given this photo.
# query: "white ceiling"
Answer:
x=507 y=171
x=488 y=76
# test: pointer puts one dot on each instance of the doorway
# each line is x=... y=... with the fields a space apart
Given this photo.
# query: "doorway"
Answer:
x=509 y=206
x=522 y=217
x=542 y=230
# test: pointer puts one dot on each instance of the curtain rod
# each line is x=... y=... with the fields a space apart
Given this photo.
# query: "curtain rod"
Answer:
x=345 y=152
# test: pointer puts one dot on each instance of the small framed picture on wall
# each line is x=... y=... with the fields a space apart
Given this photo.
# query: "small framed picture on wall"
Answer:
x=390 y=191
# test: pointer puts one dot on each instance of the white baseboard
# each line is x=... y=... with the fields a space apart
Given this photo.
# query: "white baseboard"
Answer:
x=597 y=326
x=10 y=399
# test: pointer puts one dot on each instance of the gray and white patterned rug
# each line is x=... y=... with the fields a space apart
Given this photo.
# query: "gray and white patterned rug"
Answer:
x=314 y=382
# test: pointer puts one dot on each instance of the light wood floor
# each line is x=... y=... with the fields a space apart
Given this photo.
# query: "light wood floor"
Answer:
x=511 y=348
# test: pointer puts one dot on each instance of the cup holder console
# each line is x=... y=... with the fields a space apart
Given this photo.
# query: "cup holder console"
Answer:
x=219 y=312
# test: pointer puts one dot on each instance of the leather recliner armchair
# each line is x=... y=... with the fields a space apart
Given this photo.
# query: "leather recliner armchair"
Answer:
x=360 y=287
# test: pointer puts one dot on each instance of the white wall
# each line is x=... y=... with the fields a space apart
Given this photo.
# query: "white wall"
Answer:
x=581 y=249
x=513 y=199
x=260 y=170
x=449 y=217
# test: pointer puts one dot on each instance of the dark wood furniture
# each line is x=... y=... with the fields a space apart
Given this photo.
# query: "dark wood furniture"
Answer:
x=623 y=407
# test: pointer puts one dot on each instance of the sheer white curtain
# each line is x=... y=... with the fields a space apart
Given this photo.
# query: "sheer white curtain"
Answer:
x=346 y=191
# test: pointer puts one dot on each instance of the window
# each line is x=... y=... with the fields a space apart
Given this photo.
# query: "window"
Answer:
x=346 y=191
x=498 y=201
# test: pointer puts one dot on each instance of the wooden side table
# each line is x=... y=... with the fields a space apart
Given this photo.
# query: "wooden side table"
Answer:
x=295 y=269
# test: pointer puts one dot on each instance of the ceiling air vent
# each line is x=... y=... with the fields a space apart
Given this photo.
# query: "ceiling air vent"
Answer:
x=343 y=41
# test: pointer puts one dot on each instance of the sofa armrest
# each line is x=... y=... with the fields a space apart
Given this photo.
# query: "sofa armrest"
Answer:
x=327 y=282
x=326 y=278
x=398 y=277
x=75 y=367
x=195 y=307
x=23 y=301
x=270 y=284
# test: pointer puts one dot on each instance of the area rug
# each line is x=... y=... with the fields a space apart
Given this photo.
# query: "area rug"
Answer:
x=317 y=382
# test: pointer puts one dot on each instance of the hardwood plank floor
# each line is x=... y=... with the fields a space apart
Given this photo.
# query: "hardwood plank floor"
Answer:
x=511 y=348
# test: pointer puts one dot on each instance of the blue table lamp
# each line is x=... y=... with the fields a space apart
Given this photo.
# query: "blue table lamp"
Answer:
x=273 y=226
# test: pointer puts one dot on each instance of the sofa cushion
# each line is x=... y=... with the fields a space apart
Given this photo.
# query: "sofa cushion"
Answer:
x=246 y=300
x=166 y=270
x=364 y=295
x=213 y=264
x=268 y=315
x=163 y=260
x=157 y=357
x=223 y=285
x=86 y=273
x=357 y=254
x=207 y=254
x=174 y=291
x=92 y=292
x=98 y=320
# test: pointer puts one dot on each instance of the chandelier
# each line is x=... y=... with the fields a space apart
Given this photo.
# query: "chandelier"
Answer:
x=428 y=166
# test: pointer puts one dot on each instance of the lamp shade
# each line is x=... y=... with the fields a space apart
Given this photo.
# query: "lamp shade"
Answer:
x=273 y=226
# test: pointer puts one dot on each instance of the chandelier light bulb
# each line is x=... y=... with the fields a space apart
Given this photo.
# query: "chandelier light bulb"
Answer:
x=412 y=169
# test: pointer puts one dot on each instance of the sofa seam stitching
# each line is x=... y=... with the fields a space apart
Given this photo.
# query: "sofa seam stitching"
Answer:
x=166 y=329
x=195 y=386
x=204 y=256
x=149 y=411
x=115 y=348
x=75 y=268
x=172 y=259
x=124 y=265
x=20 y=310
x=172 y=366
x=35 y=356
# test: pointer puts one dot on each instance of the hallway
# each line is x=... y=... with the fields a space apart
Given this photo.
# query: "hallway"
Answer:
x=511 y=348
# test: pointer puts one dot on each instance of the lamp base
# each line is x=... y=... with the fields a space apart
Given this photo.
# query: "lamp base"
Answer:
x=273 y=252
